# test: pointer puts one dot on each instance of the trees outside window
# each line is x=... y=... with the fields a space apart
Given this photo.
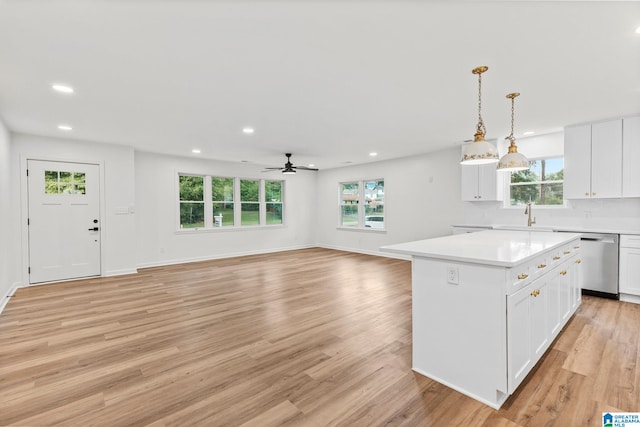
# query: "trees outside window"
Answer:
x=206 y=201
x=191 y=201
x=542 y=184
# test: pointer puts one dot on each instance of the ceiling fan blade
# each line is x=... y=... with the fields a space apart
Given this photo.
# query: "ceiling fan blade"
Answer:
x=270 y=170
x=305 y=168
x=275 y=169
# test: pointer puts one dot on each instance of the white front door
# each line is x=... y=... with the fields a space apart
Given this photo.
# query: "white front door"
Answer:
x=64 y=220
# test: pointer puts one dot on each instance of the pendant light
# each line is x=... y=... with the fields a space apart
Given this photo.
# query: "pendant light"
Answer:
x=512 y=161
x=479 y=151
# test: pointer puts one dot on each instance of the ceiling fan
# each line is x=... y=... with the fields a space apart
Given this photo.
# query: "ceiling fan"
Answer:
x=288 y=168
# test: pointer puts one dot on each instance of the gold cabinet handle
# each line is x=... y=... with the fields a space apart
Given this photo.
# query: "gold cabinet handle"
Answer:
x=586 y=194
x=522 y=276
x=567 y=252
x=555 y=258
x=535 y=292
x=593 y=194
x=563 y=272
x=578 y=261
x=542 y=265
x=576 y=247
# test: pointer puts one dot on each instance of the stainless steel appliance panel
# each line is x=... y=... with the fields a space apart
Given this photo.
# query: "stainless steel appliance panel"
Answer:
x=599 y=253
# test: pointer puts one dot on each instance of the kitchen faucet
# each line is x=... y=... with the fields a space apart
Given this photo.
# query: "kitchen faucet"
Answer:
x=527 y=211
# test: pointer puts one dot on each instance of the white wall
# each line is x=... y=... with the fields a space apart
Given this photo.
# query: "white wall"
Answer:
x=9 y=271
x=159 y=242
x=118 y=230
x=422 y=200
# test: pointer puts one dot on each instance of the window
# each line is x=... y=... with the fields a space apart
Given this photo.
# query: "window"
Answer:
x=222 y=202
x=212 y=202
x=273 y=198
x=362 y=204
x=250 y=202
x=191 y=201
x=542 y=184
x=60 y=182
x=349 y=197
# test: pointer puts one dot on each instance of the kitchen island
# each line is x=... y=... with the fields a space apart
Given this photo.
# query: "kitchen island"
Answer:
x=487 y=305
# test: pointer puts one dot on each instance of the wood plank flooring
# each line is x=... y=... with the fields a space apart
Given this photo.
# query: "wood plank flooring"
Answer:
x=313 y=337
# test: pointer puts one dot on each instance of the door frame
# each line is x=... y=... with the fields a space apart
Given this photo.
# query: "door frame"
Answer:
x=24 y=210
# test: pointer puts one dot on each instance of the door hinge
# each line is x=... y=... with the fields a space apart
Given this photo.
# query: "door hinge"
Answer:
x=29 y=270
x=27 y=172
x=28 y=221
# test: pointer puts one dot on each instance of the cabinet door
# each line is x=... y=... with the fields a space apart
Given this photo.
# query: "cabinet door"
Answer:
x=540 y=324
x=519 y=340
x=630 y=271
x=631 y=157
x=577 y=162
x=469 y=180
x=553 y=302
x=606 y=159
x=564 y=293
x=490 y=183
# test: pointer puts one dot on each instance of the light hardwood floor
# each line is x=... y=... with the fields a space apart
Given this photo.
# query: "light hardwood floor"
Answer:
x=312 y=337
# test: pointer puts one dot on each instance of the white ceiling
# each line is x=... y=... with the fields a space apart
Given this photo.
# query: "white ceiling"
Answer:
x=329 y=81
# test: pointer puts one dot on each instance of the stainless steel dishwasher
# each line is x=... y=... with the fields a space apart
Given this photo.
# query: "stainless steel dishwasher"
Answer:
x=599 y=253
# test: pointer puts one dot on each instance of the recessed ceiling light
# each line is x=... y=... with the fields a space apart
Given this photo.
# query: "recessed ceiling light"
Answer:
x=527 y=133
x=62 y=88
x=248 y=130
x=65 y=127
x=195 y=151
x=373 y=154
x=638 y=30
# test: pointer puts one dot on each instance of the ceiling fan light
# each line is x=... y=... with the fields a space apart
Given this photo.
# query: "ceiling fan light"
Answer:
x=288 y=171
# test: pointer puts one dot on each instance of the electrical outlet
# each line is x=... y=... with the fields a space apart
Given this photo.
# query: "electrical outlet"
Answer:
x=452 y=275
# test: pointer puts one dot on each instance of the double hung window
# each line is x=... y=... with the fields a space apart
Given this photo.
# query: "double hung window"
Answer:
x=362 y=204
x=207 y=201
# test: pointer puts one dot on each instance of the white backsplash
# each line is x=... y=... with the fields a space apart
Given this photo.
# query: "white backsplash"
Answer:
x=609 y=214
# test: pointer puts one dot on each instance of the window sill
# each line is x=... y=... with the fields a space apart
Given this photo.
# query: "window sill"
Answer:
x=363 y=229
x=227 y=229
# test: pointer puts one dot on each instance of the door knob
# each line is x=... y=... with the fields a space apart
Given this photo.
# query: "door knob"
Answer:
x=94 y=229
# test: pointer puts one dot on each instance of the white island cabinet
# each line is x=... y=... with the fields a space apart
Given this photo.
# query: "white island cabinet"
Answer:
x=487 y=305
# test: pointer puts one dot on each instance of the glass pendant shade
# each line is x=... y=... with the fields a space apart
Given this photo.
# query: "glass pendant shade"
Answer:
x=479 y=151
x=512 y=161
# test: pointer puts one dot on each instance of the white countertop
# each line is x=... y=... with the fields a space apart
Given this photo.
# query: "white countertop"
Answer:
x=493 y=247
x=572 y=229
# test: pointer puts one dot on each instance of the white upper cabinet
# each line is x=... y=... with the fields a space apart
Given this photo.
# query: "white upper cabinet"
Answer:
x=631 y=157
x=593 y=160
x=481 y=183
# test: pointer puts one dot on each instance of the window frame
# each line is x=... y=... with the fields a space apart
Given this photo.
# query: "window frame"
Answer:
x=361 y=204
x=507 y=187
x=209 y=221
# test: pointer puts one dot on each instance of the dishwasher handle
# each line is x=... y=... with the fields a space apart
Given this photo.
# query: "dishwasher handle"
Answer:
x=603 y=239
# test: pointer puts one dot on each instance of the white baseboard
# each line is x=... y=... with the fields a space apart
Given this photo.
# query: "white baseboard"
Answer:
x=630 y=298
x=7 y=297
x=366 y=252
x=221 y=256
x=122 y=272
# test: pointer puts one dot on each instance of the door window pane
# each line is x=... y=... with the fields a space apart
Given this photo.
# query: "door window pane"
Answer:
x=62 y=182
